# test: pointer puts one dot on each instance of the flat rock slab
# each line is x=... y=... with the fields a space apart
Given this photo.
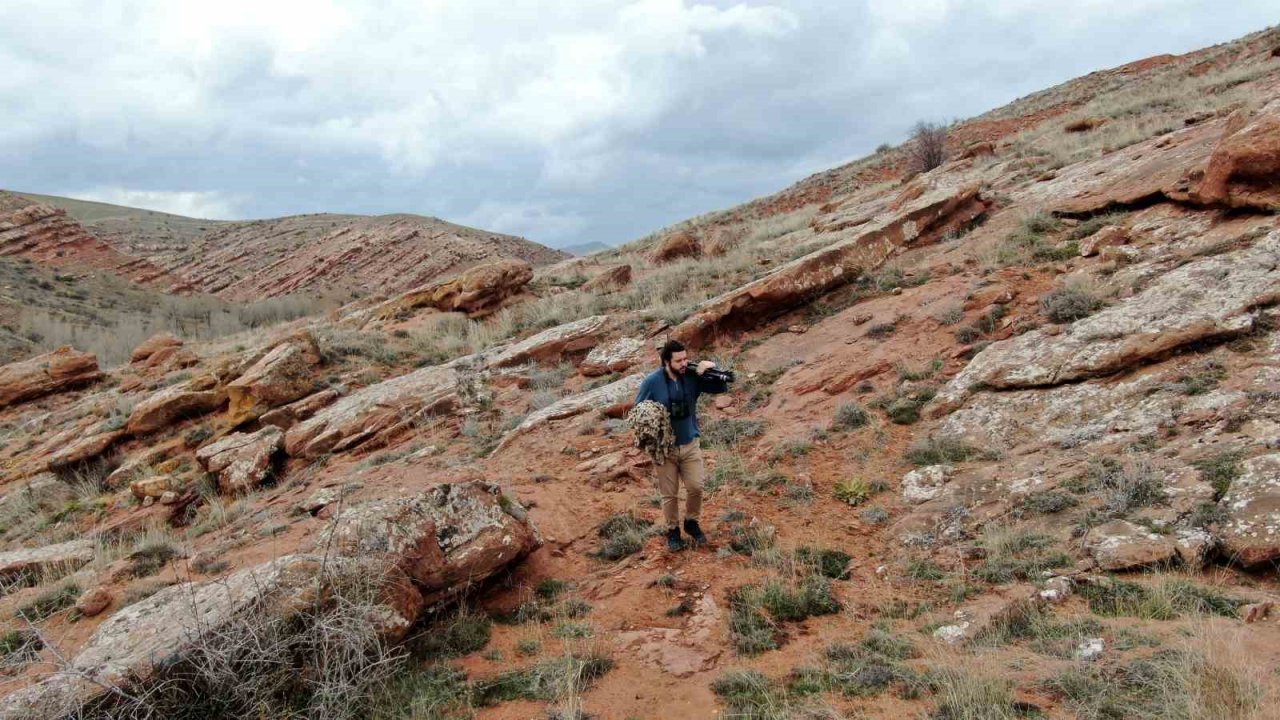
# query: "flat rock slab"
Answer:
x=52 y=372
x=64 y=556
x=374 y=410
x=1251 y=533
x=1122 y=545
x=282 y=375
x=616 y=396
x=553 y=343
x=173 y=404
x=1211 y=298
x=936 y=210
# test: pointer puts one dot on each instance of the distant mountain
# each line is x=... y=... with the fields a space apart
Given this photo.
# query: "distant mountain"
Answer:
x=322 y=254
x=588 y=248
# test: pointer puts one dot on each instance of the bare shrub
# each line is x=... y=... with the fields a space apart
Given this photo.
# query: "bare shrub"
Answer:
x=928 y=147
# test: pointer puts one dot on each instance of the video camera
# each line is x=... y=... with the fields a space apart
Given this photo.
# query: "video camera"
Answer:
x=716 y=373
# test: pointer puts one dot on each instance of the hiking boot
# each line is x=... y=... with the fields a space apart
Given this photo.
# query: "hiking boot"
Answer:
x=695 y=532
x=674 y=542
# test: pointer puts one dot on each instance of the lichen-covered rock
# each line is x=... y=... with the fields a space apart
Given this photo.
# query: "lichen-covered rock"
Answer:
x=1210 y=299
x=938 y=210
x=196 y=397
x=608 y=281
x=242 y=460
x=552 y=344
x=477 y=292
x=140 y=642
x=52 y=372
x=375 y=411
x=925 y=484
x=444 y=539
x=1251 y=532
x=282 y=375
x=64 y=556
x=615 y=357
x=1122 y=545
x=614 y=399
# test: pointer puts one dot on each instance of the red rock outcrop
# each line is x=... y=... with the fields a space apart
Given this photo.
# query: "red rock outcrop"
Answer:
x=242 y=460
x=1244 y=169
x=477 y=292
x=675 y=246
x=62 y=369
x=47 y=235
x=608 y=281
x=153 y=345
x=198 y=396
x=924 y=218
x=1251 y=532
x=283 y=375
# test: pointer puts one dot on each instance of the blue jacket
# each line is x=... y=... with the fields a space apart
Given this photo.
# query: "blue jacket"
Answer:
x=662 y=389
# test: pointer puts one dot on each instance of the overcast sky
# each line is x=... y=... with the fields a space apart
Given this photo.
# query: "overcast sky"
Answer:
x=564 y=122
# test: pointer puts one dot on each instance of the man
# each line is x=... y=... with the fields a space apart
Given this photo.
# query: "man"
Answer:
x=677 y=390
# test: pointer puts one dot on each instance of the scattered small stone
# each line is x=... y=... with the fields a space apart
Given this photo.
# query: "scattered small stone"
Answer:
x=93 y=601
x=1089 y=650
x=1256 y=611
x=952 y=634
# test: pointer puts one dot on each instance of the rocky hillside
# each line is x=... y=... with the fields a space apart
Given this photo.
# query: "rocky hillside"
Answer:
x=337 y=256
x=1005 y=443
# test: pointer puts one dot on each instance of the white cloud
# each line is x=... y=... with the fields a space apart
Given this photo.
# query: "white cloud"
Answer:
x=526 y=220
x=560 y=120
x=206 y=205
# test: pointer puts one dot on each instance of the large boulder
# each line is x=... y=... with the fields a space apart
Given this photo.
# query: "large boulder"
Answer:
x=193 y=398
x=31 y=562
x=1213 y=298
x=84 y=449
x=613 y=399
x=938 y=210
x=610 y=280
x=295 y=412
x=381 y=563
x=132 y=650
x=1122 y=545
x=446 y=539
x=1245 y=163
x=677 y=245
x=153 y=345
x=52 y=372
x=477 y=292
x=376 y=411
x=242 y=460
x=552 y=344
x=1251 y=532
x=282 y=375
x=617 y=356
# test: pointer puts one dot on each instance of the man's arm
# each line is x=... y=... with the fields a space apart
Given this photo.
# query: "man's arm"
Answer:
x=645 y=392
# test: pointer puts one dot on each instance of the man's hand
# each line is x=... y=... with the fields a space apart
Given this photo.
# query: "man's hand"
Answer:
x=704 y=366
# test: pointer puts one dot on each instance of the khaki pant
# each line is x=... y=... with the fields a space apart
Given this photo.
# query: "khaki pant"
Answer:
x=684 y=465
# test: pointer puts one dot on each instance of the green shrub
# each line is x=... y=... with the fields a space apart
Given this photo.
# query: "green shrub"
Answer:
x=1049 y=501
x=463 y=634
x=825 y=561
x=548 y=680
x=850 y=416
x=750 y=629
x=49 y=603
x=1069 y=304
x=1219 y=471
x=730 y=432
x=794 y=602
x=622 y=535
x=939 y=450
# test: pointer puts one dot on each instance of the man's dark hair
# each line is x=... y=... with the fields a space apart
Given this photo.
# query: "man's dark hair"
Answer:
x=670 y=348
